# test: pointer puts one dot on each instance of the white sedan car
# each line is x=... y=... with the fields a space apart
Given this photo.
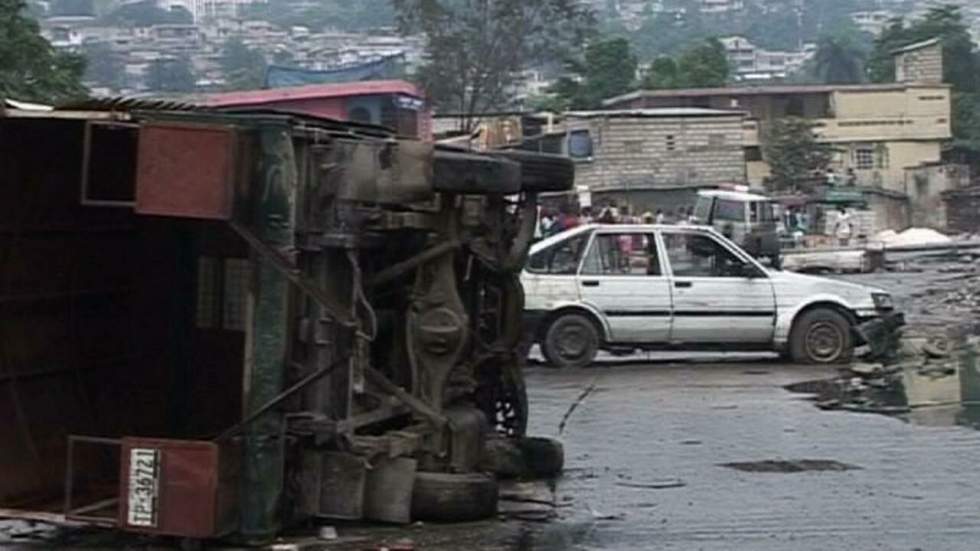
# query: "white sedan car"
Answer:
x=655 y=287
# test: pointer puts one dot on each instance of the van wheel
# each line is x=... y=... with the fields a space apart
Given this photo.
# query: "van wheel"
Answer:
x=821 y=336
x=571 y=341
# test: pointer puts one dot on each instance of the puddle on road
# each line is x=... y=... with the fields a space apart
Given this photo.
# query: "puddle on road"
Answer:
x=936 y=392
x=798 y=466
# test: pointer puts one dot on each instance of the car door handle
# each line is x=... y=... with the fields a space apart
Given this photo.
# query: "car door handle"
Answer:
x=683 y=284
x=590 y=283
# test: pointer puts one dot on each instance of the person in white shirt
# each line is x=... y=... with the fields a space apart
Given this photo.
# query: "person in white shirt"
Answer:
x=843 y=228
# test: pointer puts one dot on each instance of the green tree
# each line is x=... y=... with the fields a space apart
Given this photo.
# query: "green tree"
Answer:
x=476 y=48
x=104 y=67
x=945 y=22
x=838 y=60
x=793 y=152
x=704 y=65
x=662 y=74
x=173 y=75
x=608 y=70
x=244 y=68
x=30 y=69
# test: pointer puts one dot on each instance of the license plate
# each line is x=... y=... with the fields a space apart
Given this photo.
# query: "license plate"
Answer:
x=144 y=486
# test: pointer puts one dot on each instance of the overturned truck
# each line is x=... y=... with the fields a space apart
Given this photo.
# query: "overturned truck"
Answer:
x=217 y=324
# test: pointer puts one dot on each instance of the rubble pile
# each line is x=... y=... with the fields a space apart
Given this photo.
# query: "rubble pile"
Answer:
x=894 y=388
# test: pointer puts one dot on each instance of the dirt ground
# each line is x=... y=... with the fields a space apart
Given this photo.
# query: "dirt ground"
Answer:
x=719 y=455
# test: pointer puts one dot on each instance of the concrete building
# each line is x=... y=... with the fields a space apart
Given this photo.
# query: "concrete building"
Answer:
x=920 y=62
x=879 y=131
x=650 y=158
x=872 y=22
x=751 y=63
x=720 y=6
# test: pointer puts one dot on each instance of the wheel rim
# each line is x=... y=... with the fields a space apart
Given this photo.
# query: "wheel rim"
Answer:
x=573 y=342
x=824 y=342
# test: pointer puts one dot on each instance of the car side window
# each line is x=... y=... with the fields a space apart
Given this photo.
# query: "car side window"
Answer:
x=698 y=255
x=559 y=259
x=628 y=253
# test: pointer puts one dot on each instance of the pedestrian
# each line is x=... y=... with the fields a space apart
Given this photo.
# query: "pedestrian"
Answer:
x=546 y=223
x=568 y=218
x=607 y=216
x=660 y=217
x=843 y=228
x=852 y=179
x=586 y=215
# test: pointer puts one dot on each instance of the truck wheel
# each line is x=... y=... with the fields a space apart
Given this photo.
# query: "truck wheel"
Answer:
x=444 y=497
x=571 y=341
x=545 y=457
x=821 y=336
x=541 y=172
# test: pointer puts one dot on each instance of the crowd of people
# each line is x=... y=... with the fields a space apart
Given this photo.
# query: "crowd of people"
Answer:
x=554 y=221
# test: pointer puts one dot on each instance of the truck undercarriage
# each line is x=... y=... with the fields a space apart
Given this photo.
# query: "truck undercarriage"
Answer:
x=219 y=324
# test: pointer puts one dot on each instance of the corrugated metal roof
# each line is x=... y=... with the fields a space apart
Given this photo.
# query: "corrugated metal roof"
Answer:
x=313 y=91
x=916 y=46
x=767 y=90
x=654 y=112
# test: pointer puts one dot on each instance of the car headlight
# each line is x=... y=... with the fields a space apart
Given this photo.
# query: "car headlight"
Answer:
x=883 y=301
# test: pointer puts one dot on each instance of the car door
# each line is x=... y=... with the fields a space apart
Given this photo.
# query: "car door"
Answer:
x=621 y=276
x=719 y=296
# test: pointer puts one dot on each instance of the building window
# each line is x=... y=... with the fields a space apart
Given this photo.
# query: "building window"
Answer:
x=753 y=154
x=580 y=144
x=670 y=143
x=864 y=158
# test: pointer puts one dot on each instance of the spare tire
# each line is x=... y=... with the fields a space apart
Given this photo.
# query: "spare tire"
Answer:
x=542 y=172
x=444 y=497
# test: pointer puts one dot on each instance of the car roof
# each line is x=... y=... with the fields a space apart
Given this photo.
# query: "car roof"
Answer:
x=586 y=228
x=734 y=195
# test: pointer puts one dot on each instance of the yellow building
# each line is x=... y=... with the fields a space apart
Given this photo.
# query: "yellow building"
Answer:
x=878 y=130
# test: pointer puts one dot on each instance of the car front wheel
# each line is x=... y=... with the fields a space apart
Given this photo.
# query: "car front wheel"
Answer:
x=571 y=341
x=821 y=336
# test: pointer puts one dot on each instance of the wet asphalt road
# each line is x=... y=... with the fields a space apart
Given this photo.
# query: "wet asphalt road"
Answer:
x=913 y=487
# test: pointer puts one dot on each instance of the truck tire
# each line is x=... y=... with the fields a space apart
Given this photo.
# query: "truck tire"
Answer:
x=541 y=172
x=544 y=457
x=821 y=336
x=444 y=497
x=472 y=174
x=572 y=340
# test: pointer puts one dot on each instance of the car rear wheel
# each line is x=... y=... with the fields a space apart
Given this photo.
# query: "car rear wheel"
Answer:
x=572 y=340
x=822 y=336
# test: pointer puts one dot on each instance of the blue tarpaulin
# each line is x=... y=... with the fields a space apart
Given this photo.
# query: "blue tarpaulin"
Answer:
x=387 y=68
